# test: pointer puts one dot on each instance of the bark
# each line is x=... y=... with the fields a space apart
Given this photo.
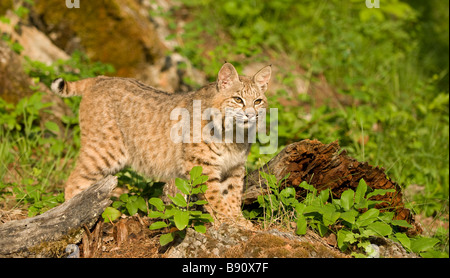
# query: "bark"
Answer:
x=48 y=234
x=326 y=166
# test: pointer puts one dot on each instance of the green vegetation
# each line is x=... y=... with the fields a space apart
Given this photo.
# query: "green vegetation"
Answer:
x=353 y=218
x=389 y=64
x=35 y=153
x=180 y=213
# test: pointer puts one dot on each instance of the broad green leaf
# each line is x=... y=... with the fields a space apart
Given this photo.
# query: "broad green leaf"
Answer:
x=379 y=192
x=206 y=217
x=401 y=223
x=181 y=219
x=288 y=192
x=360 y=191
x=199 y=180
x=155 y=214
x=178 y=200
x=349 y=216
x=165 y=239
x=132 y=207
x=330 y=217
x=299 y=208
x=301 y=225
x=423 y=244
x=363 y=204
x=170 y=211
x=124 y=197
x=141 y=205
x=404 y=240
x=196 y=172
x=117 y=204
x=195 y=213
x=200 y=202
x=53 y=127
x=342 y=236
x=322 y=229
x=347 y=199
x=307 y=186
x=200 y=189
x=182 y=185
x=380 y=228
x=199 y=227
x=110 y=214
x=368 y=217
x=158 y=203
x=158 y=225
x=324 y=195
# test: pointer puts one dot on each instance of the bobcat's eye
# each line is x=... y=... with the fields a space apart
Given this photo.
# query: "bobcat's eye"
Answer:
x=238 y=99
x=258 y=101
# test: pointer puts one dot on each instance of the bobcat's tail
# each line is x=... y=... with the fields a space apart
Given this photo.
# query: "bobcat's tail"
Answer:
x=69 y=89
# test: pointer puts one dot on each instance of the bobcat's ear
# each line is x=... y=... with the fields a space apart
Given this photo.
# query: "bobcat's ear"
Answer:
x=262 y=77
x=228 y=77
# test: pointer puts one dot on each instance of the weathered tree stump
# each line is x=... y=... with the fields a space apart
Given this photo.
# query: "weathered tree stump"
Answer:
x=326 y=166
x=48 y=234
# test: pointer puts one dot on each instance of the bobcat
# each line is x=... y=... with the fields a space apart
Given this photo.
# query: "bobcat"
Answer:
x=124 y=122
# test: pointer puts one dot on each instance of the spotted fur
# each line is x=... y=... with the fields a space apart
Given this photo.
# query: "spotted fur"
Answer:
x=127 y=123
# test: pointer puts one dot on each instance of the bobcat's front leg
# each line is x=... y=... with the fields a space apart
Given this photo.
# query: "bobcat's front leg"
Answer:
x=224 y=196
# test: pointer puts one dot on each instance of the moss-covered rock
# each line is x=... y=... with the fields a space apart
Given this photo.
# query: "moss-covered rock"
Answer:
x=14 y=83
x=111 y=31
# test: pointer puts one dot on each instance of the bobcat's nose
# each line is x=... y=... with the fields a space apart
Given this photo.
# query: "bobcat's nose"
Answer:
x=250 y=113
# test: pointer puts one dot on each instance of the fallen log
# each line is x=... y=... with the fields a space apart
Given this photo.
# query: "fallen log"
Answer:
x=327 y=166
x=48 y=234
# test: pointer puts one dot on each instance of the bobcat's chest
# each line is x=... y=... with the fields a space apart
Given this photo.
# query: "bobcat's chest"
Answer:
x=231 y=158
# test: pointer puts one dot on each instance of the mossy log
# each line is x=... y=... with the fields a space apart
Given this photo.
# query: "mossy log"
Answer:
x=48 y=234
x=327 y=166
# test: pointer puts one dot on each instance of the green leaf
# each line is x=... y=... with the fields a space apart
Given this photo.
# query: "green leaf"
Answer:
x=307 y=186
x=181 y=219
x=368 y=217
x=155 y=214
x=199 y=227
x=206 y=217
x=179 y=200
x=363 y=204
x=380 y=228
x=158 y=225
x=199 y=180
x=196 y=172
x=132 y=208
x=423 y=244
x=360 y=191
x=342 y=236
x=165 y=239
x=158 y=203
x=200 y=189
x=347 y=199
x=401 y=223
x=349 y=216
x=301 y=225
x=141 y=205
x=110 y=214
x=404 y=240
x=53 y=127
x=200 y=202
x=324 y=195
x=124 y=197
x=299 y=208
x=182 y=185
x=379 y=192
